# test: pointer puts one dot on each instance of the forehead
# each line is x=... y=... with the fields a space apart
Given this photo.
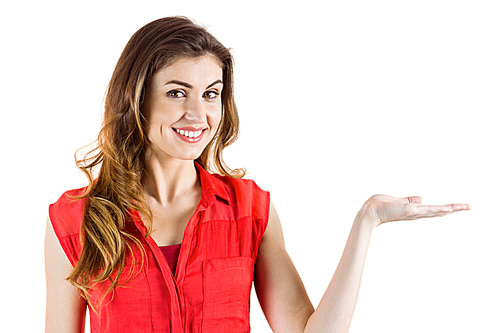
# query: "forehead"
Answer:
x=191 y=70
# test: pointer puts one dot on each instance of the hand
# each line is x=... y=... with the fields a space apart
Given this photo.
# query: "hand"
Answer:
x=385 y=208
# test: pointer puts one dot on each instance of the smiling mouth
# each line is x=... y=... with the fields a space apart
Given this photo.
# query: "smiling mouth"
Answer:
x=189 y=134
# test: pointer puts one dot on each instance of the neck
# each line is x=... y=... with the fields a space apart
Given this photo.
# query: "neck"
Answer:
x=167 y=180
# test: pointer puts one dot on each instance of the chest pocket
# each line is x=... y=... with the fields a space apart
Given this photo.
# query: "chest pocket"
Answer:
x=227 y=284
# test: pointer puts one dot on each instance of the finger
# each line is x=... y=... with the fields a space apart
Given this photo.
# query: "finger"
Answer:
x=412 y=199
x=459 y=207
x=426 y=211
x=455 y=207
x=423 y=211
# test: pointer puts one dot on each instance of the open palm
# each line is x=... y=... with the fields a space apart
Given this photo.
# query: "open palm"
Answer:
x=385 y=208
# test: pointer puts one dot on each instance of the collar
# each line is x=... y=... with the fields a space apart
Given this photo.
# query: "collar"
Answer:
x=211 y=187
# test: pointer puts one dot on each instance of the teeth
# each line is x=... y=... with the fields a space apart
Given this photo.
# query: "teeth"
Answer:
x=189 y=134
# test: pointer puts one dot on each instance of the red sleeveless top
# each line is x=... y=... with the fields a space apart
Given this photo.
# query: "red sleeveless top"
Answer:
x=210 y=291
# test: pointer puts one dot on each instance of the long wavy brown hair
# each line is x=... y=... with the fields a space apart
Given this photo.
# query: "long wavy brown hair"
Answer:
x=119 y=156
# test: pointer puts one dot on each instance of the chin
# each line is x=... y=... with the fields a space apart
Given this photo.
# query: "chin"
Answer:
x=189 y=157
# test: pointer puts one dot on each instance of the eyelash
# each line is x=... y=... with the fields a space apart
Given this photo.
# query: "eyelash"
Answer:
x=176 y=93
x=216 y=94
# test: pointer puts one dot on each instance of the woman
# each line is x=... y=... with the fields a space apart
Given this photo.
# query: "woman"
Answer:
x=158 y=243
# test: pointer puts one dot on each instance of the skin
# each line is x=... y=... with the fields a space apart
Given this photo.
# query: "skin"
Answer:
x=65 y=310
x=173 y=191
x=192 y=100
x=280 y=290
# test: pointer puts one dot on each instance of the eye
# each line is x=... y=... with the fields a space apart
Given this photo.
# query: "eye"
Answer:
x=176 y=94
x=211 y=95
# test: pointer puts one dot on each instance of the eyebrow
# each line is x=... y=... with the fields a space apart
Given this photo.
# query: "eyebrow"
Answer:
x=189 y=86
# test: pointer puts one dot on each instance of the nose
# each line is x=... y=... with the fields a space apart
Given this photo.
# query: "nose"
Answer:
x=195 y=111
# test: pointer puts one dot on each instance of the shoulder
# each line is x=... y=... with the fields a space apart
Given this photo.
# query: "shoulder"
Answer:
x=246 y=194
x=66 y=214
x=241 y=189
x=240 y=185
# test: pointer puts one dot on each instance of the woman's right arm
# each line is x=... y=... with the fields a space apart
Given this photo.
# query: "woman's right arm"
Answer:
x=66 y=308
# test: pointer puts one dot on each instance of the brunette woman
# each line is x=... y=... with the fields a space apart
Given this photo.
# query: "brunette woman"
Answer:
x=168 y=238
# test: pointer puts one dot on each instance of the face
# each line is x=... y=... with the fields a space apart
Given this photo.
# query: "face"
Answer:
x=182 y=107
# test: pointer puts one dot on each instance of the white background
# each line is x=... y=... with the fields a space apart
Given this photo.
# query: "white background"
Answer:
x=338 y=101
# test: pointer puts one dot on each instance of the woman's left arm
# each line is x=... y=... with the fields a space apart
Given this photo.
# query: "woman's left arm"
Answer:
x=279 y=288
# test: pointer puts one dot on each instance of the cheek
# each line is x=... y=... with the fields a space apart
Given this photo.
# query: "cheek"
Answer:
x=215 y=117
x=164 y=115
x=153 y=126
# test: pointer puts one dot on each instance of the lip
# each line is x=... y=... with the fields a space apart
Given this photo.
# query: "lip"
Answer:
x=190 y=129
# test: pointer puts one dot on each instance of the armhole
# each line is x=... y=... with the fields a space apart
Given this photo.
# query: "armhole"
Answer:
x=268 y=213
x=67 y=242
x=265 y=217
x=54 y=224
